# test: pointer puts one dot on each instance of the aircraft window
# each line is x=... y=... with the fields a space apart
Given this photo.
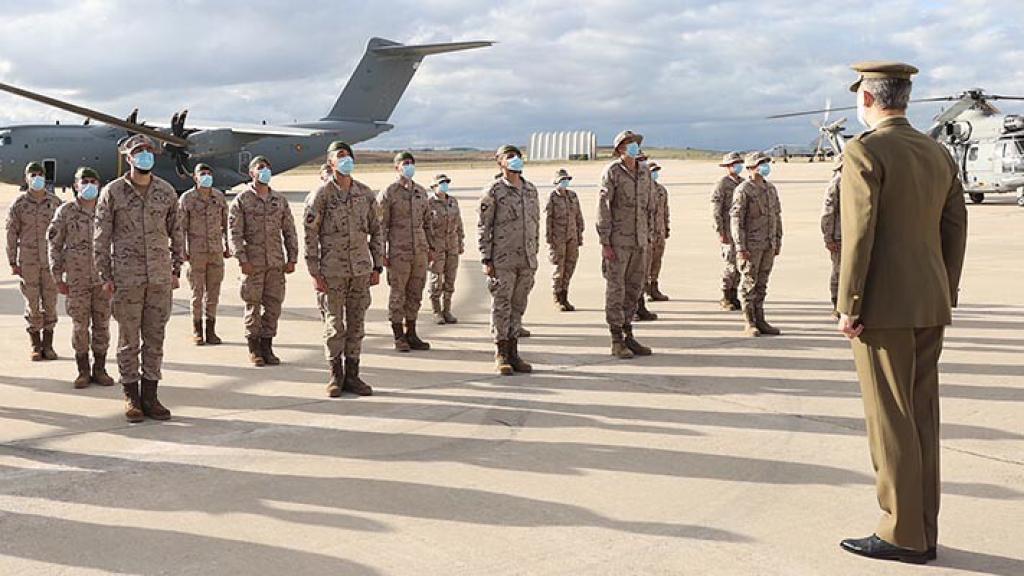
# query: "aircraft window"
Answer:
x=1019 y=148
x=5 y=141
x=972 y=154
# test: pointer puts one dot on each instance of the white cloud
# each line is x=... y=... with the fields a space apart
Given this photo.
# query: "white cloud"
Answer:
x=686 y=73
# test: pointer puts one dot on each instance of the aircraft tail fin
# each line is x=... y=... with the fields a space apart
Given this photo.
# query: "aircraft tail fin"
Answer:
x=382 y=76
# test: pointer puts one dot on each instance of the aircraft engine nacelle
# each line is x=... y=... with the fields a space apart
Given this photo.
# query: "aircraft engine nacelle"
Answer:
x=957 y=132
x=1013 y=123
x=208 y=143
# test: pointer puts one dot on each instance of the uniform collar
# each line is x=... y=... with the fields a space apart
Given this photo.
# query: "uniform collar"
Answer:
x=892 y=121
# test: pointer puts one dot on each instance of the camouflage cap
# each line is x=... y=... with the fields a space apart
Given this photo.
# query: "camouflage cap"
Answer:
x=440 y=178
x=730 y=159
x=561 y=174
x=505 y=149
x=135 y=141
x=403 y=156
x=881 y=69
x=200 y=167
x=34 y=167
x=627 y=136
x=339 y=145
x=653 y=166
x=257 y=159
x=755 y=159
x=86 y=172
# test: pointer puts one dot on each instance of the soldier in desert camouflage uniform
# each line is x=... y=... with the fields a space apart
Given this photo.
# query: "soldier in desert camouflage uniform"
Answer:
x=659 y=234
x=508 y=232
x=138 y=252
x=344 y=248
x=721 y=203
x=564 y=235
x=71 y=262
x=27 y=221
x=449 y=244
x=832 y=231
x=259 y=221
x=756 y=223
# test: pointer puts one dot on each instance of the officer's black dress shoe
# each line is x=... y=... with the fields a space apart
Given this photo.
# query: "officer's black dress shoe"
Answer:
x=932 y=553
x=875 y=547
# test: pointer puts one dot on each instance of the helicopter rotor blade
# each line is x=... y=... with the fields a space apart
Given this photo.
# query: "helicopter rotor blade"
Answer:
x=94 y=114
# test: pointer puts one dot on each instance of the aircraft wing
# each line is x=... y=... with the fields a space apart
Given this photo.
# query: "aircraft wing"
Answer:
x=252 y=130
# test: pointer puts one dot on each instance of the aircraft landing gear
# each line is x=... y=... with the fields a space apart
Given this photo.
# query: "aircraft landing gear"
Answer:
x=977 y=197
x=1020 y=197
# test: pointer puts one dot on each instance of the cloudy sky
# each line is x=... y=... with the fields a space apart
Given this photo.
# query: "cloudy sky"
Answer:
x=684 y=73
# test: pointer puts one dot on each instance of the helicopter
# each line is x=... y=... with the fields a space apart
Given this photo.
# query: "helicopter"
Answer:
x=988 y=146
x=829 y=131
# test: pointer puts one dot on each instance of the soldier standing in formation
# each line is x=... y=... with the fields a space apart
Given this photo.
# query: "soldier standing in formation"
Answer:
x=756 y=218
x=659 y=234
x=27 y=221
x=832 y=231
x=904 y=237
x=449 y=244
x=405 y=220
x=203 y=216
x=259 y=220
x=625 y=209
x=564 y=235
x=344 y=254
x=138 y=252
x=508 y=232
x=71 y=263
x=721 y=203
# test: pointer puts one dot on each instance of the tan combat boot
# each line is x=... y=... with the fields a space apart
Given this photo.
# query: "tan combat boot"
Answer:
x=642 y=313
x=99 y=370
x=410 y=336
x=655 y=293
x=353 y=383
x=48 y=352
x=197 y=332
x=635 y=347
x=619 y=348
x=401 y=344
x=84 y=378
x=151 y=405
x=255 y=352
x=337 y=377
x=211 y=332
x=566 y=306
x=762 y=325
x=517 y=363
x=267 y=345
x=447 y=310
x=37 y=345
x=132 y=403
x=435 y=306
x=501 y=359
x=735 y=299
x=750 y=326
x=726 y=302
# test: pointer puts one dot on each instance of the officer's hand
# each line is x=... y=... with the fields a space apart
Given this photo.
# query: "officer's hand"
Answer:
x=109 y=289
x=247 y=268
x=850 y=327
x=743 y=255
x=175 y=282
x=387 y=262
x=489 y=269
x=16 y=270
x=320 y=284
x=374 y=278
x=289 y=268
x=62 y=287
x=608 y=253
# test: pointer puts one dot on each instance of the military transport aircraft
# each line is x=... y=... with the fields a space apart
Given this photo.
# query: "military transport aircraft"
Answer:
x=360 y=113
x=988 y=145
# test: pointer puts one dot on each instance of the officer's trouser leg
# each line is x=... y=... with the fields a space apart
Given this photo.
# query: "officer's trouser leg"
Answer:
x=833 y=283
x=414 y=287
x=398 y=279
x=898 y=373
x=273 y=299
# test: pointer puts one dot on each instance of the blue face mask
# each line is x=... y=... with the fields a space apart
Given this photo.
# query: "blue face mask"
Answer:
x=764 y=169
x=515 y=164
x=264 y=175
x=737 y=169
x=206 y=180
x=144 y=160
x=632 y=149
x=37 y=183
x=345 y=165
x=655 y=174
x=443 y=187
x=563 y=184
x=408 y=170
x=89 y=192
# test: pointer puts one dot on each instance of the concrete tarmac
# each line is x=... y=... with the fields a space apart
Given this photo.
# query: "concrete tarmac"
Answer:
x=717 y=455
